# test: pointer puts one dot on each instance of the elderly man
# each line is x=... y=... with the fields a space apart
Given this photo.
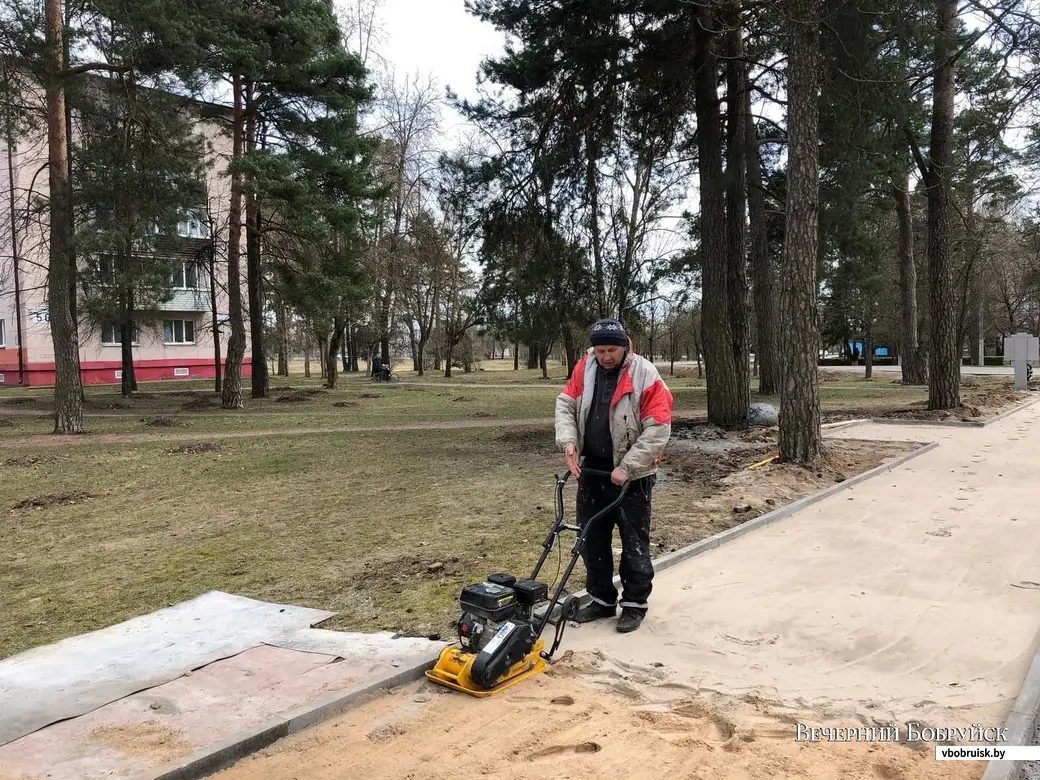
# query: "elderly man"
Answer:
x=615 y=413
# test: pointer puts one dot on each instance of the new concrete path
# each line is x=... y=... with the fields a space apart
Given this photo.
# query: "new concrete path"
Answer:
x=911 y=596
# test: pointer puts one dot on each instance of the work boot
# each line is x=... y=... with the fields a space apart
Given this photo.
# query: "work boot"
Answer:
x=630 y=620
x=593 y=611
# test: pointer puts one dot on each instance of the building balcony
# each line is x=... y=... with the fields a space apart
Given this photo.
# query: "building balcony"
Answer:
x=188 y=300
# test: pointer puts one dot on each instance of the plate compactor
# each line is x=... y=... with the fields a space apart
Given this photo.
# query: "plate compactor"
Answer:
x=503 y=617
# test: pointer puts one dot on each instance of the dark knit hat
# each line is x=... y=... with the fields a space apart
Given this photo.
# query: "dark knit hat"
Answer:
x=608 y=331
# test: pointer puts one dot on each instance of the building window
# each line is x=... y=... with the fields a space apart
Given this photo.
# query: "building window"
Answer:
x=179 y=332
x=3 y=334
x=104 y=268
x=111 y=335
x=186 y=276
x=192 y=227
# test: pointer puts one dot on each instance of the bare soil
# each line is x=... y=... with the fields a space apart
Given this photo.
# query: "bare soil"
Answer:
x=50 y=501
x=195 y=449
x=976 y=406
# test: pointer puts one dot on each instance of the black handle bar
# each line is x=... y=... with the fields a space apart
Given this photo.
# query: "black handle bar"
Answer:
x=587 y=470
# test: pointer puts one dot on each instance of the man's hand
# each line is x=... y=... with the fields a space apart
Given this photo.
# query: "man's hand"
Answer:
x=572 y=462
x=618 y=477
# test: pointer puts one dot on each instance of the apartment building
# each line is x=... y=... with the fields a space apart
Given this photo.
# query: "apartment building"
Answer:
x=178 y=342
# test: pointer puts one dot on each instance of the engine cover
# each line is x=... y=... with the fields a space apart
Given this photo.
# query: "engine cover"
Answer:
x=488 y=600
x=510 y=643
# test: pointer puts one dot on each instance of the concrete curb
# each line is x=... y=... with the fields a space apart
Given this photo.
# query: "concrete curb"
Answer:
x=213 y=758
x=1021 y=725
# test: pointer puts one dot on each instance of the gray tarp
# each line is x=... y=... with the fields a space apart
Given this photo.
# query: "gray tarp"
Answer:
x=77 y=675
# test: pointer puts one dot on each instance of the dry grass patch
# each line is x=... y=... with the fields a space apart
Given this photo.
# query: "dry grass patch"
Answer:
x=381 y=528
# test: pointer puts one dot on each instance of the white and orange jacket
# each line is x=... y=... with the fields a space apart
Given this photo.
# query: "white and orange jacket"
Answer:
x=640 y=413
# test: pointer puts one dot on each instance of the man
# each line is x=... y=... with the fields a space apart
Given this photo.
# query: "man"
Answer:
x=615 y=412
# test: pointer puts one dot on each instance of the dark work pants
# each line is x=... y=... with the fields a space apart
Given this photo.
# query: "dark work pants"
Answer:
x=632 y=519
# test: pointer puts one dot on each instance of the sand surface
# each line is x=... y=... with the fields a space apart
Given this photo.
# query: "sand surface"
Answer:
x=911 y=598
x=587 y=718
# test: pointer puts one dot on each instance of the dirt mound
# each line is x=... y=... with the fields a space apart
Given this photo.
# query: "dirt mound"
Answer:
x=18 y=401
x=346 y=404
x=28 y=461
x=163 y=421
x=195 y=449
x=58 y=499
x=289 y=389
x=370 y=395
x=408 y=568
x=463 y=398
x=102 y=403
x=200 y=403
x=294 y=398
x=540 y=441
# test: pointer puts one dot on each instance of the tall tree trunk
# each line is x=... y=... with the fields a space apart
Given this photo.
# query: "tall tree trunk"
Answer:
x=448 y=358
x=332 y=359
x=71 y=211
x=516 y=355
x=868 y=350
x=736 y=206
x=543 y=355
x=260 y=382
x=217 y=373
x=126 y=340
x=800 y=437
x=306 y=357
x=282 y=327
x=767 y=346
x=413 y=343
x=232 y=392
x=68 y=385
x=944 y=372
x=352 y=330
x=532 y=355
x=726 y=397
x=912 y=360
x=570 y=347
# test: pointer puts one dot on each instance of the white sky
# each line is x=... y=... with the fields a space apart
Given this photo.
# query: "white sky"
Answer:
x=438 y=38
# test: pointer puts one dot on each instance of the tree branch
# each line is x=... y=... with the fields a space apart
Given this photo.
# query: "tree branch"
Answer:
x=95 y=66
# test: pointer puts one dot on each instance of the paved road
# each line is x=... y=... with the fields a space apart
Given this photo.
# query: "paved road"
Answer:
x=909 y=596
x=965 y=370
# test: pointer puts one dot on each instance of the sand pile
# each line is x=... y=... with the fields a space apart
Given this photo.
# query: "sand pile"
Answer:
x=587 y=717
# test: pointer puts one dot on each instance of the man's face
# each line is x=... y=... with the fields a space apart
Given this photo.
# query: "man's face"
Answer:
x=609 y=355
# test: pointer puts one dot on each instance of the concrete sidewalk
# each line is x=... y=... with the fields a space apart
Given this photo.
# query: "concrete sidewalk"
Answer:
x=911 y=596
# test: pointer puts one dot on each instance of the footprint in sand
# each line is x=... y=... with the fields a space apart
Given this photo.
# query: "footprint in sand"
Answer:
x=559 y=750
x=939 y=532
x=564 y=700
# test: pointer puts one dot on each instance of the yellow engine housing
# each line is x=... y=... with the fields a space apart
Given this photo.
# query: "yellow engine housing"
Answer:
x=452 y=670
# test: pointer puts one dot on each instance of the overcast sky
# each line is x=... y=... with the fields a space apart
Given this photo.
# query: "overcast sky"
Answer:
x=436 y=38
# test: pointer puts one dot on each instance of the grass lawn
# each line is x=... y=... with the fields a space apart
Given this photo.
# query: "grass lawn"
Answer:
x=380 y=526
